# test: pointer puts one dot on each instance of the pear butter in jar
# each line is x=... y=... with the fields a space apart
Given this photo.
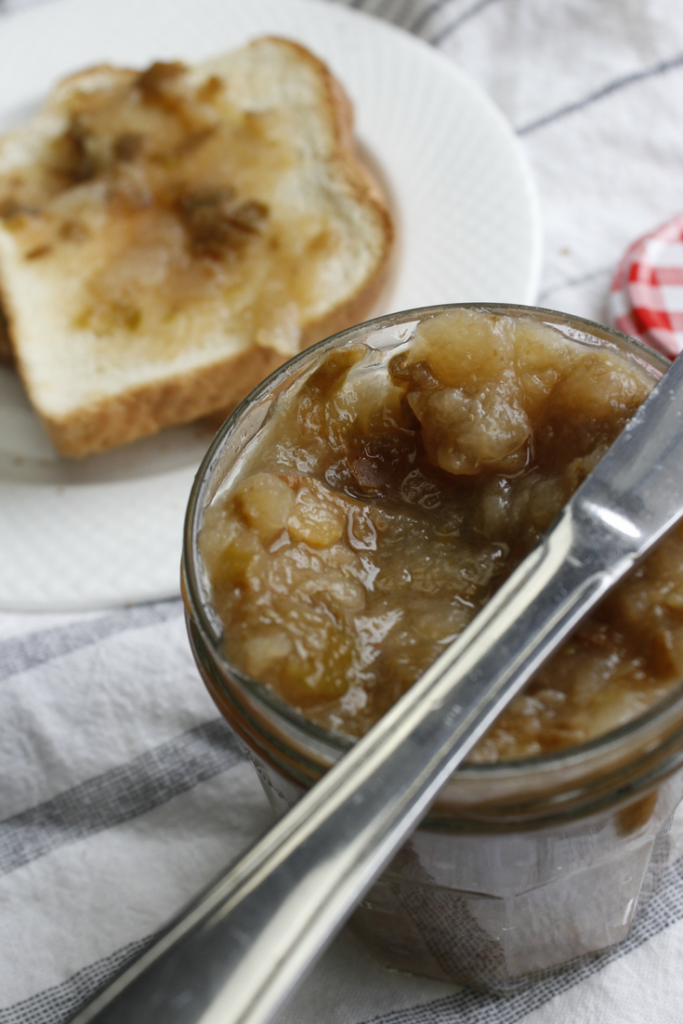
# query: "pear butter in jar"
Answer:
x=395 y=479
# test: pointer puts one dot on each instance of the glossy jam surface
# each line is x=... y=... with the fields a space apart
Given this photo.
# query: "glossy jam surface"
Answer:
x=389 y=495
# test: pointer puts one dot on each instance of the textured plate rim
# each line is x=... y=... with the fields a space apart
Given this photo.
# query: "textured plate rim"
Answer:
x=23 y=24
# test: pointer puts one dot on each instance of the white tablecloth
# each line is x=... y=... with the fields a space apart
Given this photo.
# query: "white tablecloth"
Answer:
x=122 y=793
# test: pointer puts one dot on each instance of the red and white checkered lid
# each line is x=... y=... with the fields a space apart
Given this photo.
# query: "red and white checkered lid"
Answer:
x=646 y=297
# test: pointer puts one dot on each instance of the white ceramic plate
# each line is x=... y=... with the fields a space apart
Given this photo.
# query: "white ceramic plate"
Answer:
x=107 y=530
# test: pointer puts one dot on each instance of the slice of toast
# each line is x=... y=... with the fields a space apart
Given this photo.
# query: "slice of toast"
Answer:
x=167 y=238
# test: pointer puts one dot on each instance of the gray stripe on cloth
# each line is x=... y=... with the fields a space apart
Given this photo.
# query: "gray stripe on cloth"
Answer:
x=424 y=16
x=454 y=25
x=574 y=282
x=619 y=83
x=395 y=11
x=58 y=1004
x=385 y=9
x=120 y=794
x=21 y=653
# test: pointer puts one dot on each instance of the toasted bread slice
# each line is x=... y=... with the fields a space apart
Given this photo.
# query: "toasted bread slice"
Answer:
x=167 y=238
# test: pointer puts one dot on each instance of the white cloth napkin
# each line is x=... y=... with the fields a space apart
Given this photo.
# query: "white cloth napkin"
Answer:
x=122 y=792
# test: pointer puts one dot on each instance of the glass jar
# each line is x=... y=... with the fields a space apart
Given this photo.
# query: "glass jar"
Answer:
x=521 y=867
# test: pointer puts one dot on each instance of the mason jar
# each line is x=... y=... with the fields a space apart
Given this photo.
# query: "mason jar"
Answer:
x=521 y=867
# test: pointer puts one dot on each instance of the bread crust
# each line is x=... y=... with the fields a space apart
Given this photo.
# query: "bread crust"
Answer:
x=140 y=412
x=181 y=398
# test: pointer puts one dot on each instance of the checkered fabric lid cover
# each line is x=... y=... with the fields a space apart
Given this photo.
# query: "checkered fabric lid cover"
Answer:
x=646 y=296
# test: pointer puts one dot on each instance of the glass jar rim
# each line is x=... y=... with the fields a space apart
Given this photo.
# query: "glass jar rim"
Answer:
x=565 y=758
